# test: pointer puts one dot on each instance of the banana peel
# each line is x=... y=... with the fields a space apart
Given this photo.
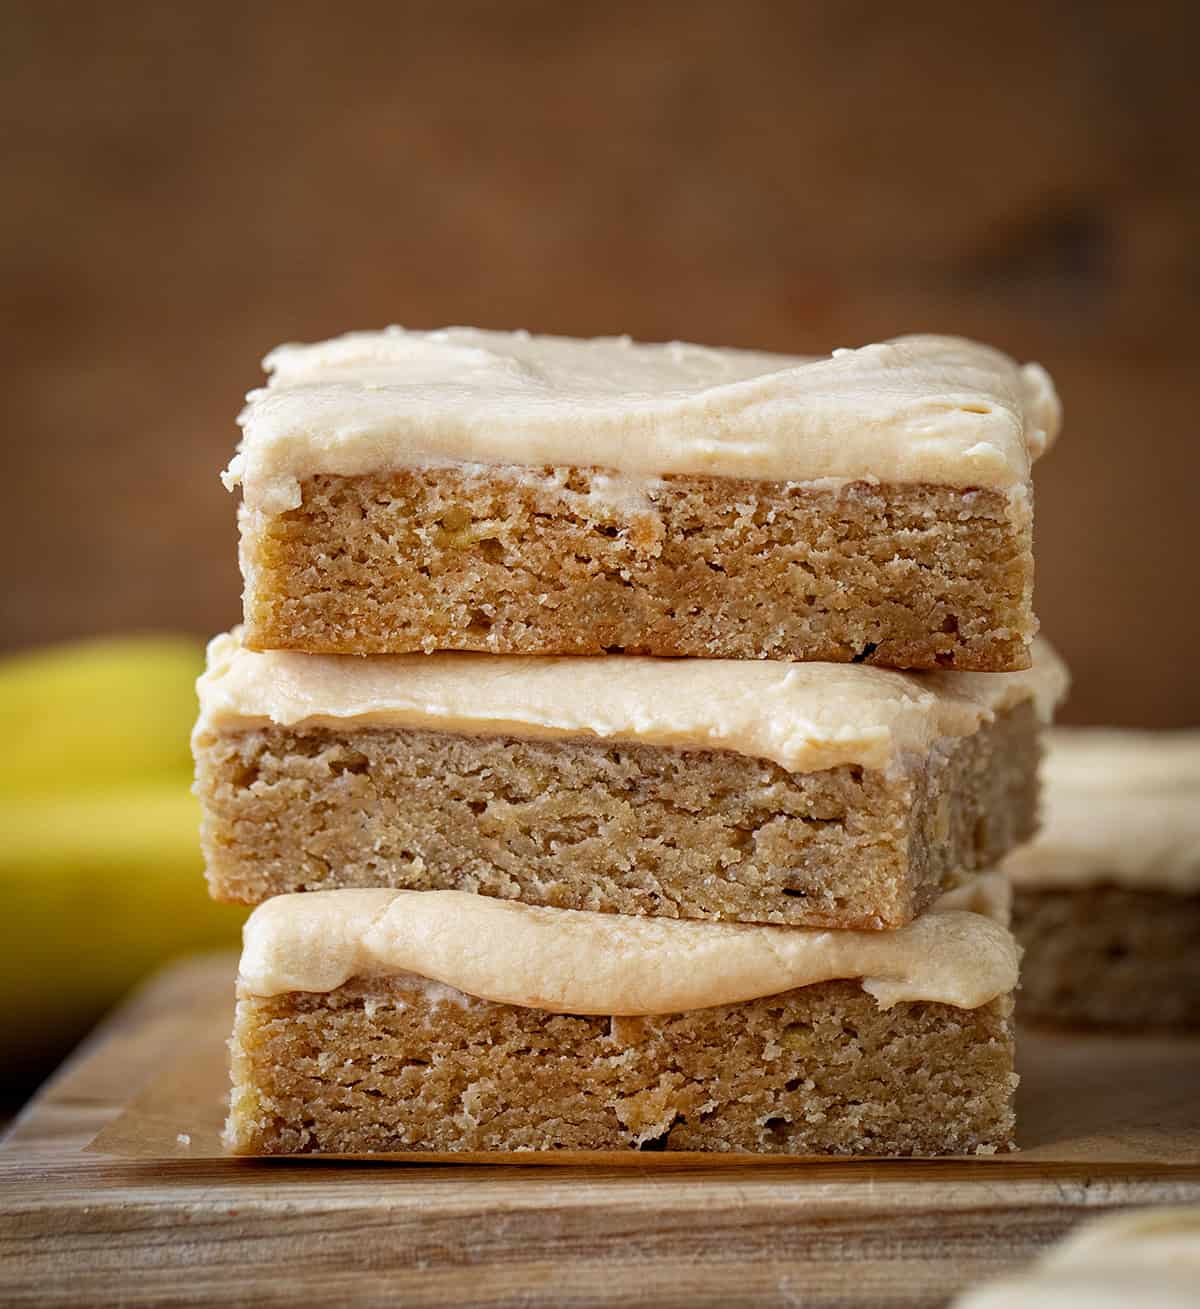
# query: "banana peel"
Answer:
x=101 y=877
x=97 y=890
x=97 y=712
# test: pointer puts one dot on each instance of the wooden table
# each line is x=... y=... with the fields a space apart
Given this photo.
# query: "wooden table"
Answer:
x=81 y=1228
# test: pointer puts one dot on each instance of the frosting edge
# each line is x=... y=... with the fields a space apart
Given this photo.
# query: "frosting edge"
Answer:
x=803 y=717
x=574 y=961
x=916 y=409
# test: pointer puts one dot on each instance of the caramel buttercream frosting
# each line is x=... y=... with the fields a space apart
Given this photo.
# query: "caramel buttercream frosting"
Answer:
x=919 y=409
x=1149 y=1259
x=1120 y=807
x=804 y=717
x=574 y=961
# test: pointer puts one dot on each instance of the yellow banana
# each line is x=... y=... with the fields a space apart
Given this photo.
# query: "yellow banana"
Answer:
x=101 y=876
x=97 y=712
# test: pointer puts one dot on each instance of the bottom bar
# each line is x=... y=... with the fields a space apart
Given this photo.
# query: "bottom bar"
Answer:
x=384 y=1065
x=386 y=1021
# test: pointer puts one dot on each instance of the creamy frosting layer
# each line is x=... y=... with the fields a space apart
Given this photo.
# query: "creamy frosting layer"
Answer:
x=1121 y=807
x=573 y=961
x=918 y=409
x=1149 y=1259
x=803 y=717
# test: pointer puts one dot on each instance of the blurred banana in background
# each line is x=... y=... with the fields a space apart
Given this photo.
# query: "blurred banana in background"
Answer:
x=101 y=877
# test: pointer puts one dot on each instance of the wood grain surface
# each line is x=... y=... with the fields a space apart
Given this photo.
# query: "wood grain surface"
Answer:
x=80 y=1228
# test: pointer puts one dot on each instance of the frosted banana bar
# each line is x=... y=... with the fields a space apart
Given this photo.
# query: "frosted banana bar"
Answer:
x=1107 y=899
x=515 y=494
x=756 y=791
x=384 y=1021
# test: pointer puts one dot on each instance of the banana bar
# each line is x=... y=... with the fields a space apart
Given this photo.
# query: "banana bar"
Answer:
x=392 y=1021
x=757 y=791
x=515 y=494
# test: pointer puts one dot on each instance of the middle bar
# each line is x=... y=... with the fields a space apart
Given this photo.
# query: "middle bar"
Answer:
x=816 y=795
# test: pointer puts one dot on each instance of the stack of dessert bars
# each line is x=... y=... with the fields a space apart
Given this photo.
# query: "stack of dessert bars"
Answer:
x=619 y=742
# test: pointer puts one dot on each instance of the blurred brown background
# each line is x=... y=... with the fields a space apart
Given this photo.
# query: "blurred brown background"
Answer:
x=186 y=186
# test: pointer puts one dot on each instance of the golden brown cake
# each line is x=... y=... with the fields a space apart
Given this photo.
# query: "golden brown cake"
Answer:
x=377 y=1021
x=813 y=794
x=497 y=492
x=1107 y=900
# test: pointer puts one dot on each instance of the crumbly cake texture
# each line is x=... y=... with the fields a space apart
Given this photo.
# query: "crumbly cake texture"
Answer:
x=411 y=491
x=1109 y=957
x=612 y=826
x=393 y=1065
x=552 y=561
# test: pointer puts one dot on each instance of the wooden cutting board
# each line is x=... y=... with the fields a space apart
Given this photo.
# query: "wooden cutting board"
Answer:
x=1106 y=1124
